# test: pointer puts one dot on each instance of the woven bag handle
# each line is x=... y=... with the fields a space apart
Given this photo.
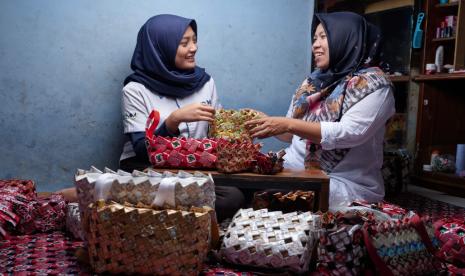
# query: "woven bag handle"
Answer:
x=373 y=254
x=421 y=230
x=152 y=123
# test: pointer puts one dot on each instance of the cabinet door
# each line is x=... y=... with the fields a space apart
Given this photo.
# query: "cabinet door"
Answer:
x=441 y=116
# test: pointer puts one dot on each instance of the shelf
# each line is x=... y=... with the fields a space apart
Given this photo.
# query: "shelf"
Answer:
x=442 y=39
x=445 y=182
x=439 y=77
x=394 y=78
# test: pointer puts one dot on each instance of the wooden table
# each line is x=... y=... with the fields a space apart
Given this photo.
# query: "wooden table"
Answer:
x=309 y=180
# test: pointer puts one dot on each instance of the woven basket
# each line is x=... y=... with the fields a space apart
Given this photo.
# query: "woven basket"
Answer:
x=229 y=124
x=189 y=189
x=125 y=239
x=177 y=152
x=269 y=240
x=234 y=157
x=403 y=247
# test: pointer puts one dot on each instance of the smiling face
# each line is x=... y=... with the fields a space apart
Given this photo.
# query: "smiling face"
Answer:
x=185 y=55
x=320 y=48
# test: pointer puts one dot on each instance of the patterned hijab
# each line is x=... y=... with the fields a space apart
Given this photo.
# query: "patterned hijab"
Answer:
x=327 y=94
x=154 y=56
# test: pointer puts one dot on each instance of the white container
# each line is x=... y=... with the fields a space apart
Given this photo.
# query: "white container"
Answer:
x=430 y=68
x=427 y=168
x=439 y=60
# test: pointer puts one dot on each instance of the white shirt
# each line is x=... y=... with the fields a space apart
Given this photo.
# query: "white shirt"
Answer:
x=295 y=153
x=361 y=128
x=138 y=102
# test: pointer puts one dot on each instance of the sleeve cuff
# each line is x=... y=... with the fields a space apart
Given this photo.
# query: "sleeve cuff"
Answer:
x=163 y=131
x=328 y=139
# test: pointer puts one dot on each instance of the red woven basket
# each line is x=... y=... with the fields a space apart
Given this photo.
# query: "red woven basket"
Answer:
x=178 y=152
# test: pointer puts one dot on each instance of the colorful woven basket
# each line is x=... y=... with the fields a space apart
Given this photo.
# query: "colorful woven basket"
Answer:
x=403 y=247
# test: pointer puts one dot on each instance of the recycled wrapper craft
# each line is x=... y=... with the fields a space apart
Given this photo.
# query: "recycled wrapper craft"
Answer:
x=41 y=254
x=290 y=202
x=269 y=240
x=21 y=211
x=394 y=211
x=229 y=124
x=151 y=188
x=340 y=248
x=395 y=171
x=125 y=239
x=73 y=221
x=175 y=152
x=235 y=157
x=270 y=163
x=451 y=234
x=48 y=214
x=403 y=247
x=24 y=187
x=216 y=271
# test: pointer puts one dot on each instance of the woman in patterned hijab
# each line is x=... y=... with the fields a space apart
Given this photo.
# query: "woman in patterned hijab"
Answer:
x=341 y=108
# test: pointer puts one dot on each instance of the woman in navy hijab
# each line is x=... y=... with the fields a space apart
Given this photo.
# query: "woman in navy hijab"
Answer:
x=166 y=78
x=340 y=110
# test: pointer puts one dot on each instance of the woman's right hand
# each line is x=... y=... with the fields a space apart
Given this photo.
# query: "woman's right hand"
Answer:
x=285 y=137
x=260 y=114
x=190 y=113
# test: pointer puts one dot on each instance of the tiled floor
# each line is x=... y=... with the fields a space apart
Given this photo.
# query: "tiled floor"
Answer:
x=433 y=194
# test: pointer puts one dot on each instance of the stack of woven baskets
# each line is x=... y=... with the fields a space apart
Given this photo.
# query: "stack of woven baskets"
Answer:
x=146 y=223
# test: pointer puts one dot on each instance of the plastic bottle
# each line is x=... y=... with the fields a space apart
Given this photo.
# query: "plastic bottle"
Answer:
x=439 y=60
x=434 y=154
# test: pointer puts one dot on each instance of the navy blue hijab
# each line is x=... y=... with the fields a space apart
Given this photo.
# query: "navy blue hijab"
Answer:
x=353 y=43
x=154 y=56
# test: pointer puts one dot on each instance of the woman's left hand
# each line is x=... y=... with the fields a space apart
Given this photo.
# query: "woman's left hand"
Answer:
x=267 y=127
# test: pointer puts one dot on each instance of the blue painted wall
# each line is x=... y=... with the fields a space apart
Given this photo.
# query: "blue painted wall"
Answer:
x=62 y=65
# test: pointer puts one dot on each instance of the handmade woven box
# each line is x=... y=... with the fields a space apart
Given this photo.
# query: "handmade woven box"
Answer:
x=269 y=240
x=131 y=240
x=177 y=152
x=234 y=157
x=229 y=124
x=163 y=190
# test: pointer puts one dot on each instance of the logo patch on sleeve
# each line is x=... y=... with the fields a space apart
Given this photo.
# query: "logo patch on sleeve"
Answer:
x=129 y=115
